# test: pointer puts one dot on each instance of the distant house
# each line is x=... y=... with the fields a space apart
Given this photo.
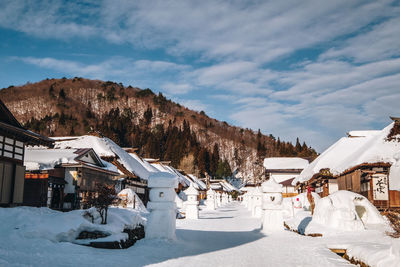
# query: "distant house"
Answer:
x=13 y=139
x=132 y=170
x=64 y=178
x=283 y=170
x=365 y=162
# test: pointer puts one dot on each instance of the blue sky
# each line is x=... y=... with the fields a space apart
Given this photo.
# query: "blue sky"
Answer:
x=307 y=69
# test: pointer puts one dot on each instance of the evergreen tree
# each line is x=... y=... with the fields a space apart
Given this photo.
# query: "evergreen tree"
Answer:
x=62 y=94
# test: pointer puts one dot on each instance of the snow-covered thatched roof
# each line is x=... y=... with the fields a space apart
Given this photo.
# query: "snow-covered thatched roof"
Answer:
x=185 y=181
x=200 y=184
x=106 y=148
x=41 y=158
x=285 y=163
x=359 y=147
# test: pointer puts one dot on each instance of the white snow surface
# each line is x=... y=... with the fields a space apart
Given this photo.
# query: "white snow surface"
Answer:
x=284 y=163
x=105 y=147
x=347 y=152
x=228 y=236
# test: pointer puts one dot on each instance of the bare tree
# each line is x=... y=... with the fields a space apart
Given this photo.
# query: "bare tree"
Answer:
x=101 y=199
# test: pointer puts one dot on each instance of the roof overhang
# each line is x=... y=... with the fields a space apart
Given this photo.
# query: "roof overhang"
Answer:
x=25 y=136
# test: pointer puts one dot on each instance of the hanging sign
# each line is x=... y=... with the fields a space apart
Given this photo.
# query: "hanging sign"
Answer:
x=380 y=187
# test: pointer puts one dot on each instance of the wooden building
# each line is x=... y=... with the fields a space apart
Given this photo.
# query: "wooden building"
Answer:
x=133 y=171
x=364 y=162
x=13 y=139
x=64 y=178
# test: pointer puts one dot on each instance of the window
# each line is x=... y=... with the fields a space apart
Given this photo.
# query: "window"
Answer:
x=11 y=148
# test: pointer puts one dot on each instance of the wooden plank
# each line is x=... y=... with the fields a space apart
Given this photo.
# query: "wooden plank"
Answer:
x=394 y=197
x=356 y=181
x=341 y=183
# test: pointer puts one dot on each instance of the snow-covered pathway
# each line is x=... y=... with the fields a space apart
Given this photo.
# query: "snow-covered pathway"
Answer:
x=225 y=237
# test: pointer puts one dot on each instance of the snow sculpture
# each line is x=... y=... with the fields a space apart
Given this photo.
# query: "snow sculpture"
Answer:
x=210 y=202
x=162 y=219
x=230 y=198
x=192 y=208
x=345 y=211
x=218 y=199
x=250 y=199
x=246 y=199
x=224 y=198
x=272 y=206
x=257 y=203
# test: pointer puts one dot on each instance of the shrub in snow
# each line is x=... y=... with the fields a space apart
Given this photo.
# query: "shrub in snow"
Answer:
x=101 y=200
x=344 y=211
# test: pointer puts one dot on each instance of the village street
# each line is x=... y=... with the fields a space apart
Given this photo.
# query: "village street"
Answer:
x=228 y=236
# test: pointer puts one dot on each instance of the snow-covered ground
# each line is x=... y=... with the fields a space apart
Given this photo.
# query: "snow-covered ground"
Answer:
x=228 y=236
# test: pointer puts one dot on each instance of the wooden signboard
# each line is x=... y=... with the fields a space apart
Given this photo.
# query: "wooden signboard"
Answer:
x=380 y=187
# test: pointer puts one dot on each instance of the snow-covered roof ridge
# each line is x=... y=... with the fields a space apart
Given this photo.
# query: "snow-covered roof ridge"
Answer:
x=42 y=158
x=363 y=133
x=285 y=163
x=198 y=182
x=349 y=152
x=105 y=147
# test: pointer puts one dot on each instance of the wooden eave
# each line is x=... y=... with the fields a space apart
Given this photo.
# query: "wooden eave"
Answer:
x=7 y=117
x=364 y=165
x=83 y=165
x=352 y=169
x=284 y=170
x=122 y=168
x=25 y=136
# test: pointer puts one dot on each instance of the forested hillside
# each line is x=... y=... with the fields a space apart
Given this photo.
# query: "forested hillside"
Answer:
x=156 y=126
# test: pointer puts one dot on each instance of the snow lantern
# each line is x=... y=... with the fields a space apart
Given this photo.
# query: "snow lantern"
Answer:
x=257 y=202
x=230 y=198
x=245 y=199
x=192 y=209
x=272 y=193
x=162 y=219
x=211 y=199
x=250 y=199
x=272 y=206
x=218 y=199
x=224 y=198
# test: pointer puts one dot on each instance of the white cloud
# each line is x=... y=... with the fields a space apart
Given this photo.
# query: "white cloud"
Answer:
x=381 y=42
x=193 y=104
x=259 y=32
x=177 y=89
x=353 y=83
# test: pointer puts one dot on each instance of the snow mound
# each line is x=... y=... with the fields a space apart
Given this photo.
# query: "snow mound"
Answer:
x=344 y=211
x=56 y=226
x=131 y=199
